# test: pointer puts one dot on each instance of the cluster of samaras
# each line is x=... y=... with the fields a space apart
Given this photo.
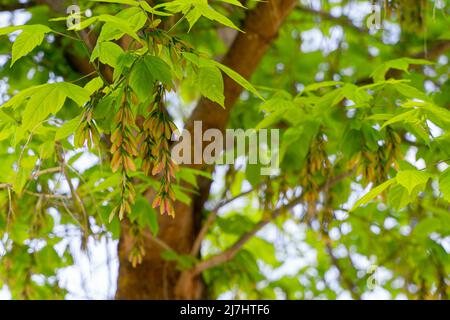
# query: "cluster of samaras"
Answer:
x=152 y=144
x=409 y=13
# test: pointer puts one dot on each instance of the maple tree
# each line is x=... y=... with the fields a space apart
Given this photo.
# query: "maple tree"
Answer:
x=364 y=120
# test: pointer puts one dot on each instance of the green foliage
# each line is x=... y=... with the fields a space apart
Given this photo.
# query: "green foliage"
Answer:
x=210 y=84
x=30 y=37
x=193 y=10
x=107 y=53
x=374 y=193
x=444 y=184
x=144 y=74
x=412 y=179
x=369 y=114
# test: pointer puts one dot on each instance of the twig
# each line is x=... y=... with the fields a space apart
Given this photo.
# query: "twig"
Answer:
x=342 y=20
x=159 y=242
x=46 y=171
x=48 y=196
x=75 y=197
x=210 y=220
x=346 y=280
x=14 y=6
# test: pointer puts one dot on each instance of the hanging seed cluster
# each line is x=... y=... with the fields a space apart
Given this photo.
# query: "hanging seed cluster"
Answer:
x=374 y=166
x=410 y=13
x=153 y=140
x=316 y=163
x=87 y=131
x=274 y=192
x=123 y=150
x=156 y=157
x=137 y=251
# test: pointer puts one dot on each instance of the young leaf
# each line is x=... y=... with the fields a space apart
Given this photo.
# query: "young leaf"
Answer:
x=234 y=2
x=67 y=128
x=373 y=193
x=238 y=79
x=78 y=94
x=117 y=22
x=107 y=52
x=141 y=80
x=401 y=64
x=145 y=215
x=210 y=83
x=127 y=2
x=192 y=17
x=10 y=29
x=319 y=85
x=444 y=184
x=410 y=92
x=45 y=102
x=38 y=27
x=213 y=15
x=159 y=69
x=134 y=16
x=398 y=197
x=48 y=100
x=94 y=85
x=409 y=116
x=29 y=39
x=145 y=72
x=144 y=5
x=46 y=149
x=410 y=179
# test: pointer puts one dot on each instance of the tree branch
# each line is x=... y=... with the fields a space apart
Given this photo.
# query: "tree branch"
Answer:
x=55 y=5
x=15 y=6
x=342 y=20
x=48 y=195
x=210 y=220
x=229 y=253
x=78 y=202
x=46 y=171
x=345 y=279
x=159 y=242
x=438 y=48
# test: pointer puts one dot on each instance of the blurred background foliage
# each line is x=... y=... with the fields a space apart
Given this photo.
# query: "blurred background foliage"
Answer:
x=356 y=108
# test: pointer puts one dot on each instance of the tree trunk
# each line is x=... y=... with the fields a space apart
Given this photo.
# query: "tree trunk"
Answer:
x=156 y=278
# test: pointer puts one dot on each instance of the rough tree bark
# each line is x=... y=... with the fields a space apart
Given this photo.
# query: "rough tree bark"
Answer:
x=156 y=278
